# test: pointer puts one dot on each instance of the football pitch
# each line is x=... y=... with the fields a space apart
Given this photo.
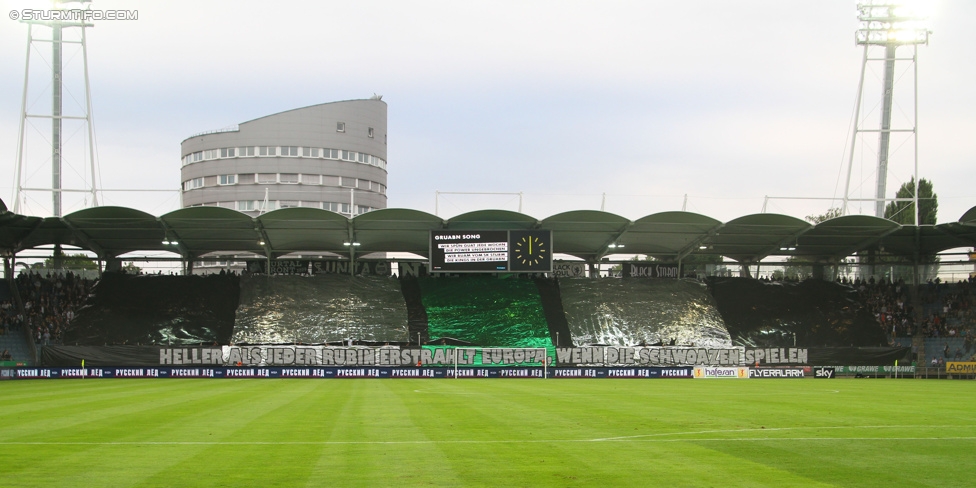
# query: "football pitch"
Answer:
x=488 y=432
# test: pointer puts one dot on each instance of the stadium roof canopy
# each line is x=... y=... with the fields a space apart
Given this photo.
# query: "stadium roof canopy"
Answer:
x=587 y=234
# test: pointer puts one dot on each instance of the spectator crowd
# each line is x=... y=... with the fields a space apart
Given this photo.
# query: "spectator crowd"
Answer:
x=50 y=302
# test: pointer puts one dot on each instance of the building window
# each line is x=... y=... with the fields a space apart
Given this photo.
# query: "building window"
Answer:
x=197 y=156
x=330 y=153
x=246 y=178
x=349 y=155
x=267 y=151
x=245 y=151
x=289 y=150
x=310 y=152
x=347 y=182
x=210 y=154
x=196 y=183
x=291 y=178
x=369 y=132
x=245 y=205
x=342 y=208
x=228 y=152
x=330 y=180
x=267 y=178
x=340 y=126
x=287 y=203
x=311 y=179
x=228 y=179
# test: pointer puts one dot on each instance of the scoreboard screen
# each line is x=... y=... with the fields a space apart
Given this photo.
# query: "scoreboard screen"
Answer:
x=490 y=251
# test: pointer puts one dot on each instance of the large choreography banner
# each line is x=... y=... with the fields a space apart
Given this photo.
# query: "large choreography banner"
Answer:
x=393 y=356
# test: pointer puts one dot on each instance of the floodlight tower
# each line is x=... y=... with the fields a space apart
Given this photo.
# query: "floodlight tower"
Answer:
x=887 y=24
x=57 y=19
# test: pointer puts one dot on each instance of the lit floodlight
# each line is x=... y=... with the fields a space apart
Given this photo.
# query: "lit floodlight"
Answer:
x=891 y=22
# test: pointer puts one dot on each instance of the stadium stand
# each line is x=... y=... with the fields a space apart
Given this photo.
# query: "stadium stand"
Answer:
x=485 y=310
x=320 y=309
x=629 y=312
x=780 y=314
x=157 y=309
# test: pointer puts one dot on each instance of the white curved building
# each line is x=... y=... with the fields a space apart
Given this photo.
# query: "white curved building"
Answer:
x=330 y=156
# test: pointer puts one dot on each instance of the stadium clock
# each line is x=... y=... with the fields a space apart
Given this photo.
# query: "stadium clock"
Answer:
x=531 y=250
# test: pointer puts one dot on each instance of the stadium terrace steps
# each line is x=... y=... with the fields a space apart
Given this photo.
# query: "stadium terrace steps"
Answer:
x=16 y=342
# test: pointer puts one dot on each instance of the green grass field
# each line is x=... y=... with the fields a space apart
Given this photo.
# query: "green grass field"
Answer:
x=498 y=432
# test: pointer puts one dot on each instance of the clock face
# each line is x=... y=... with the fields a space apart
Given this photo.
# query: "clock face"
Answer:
x=531 y=251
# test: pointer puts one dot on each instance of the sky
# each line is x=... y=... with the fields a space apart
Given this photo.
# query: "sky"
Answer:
x=636 y=107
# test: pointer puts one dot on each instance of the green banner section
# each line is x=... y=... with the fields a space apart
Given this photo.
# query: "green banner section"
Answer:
x=485 y=310
x=874 y=369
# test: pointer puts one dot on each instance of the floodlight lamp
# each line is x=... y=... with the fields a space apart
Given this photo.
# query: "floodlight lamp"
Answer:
x=702 y=247
x=353 y=244
x=891 y=23
x=260 y=243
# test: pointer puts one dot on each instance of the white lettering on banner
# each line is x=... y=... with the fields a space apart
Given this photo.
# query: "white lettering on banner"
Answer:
x=824 y=373
x=776 y=356
x=569 y=270
x=300 y=356
x=651 y=271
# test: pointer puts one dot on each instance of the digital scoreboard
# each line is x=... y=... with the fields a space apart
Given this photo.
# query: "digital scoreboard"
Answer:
x=491 y=251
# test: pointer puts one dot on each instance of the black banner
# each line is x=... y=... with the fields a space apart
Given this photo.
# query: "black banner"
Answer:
x=314 y=267
x=651 y=270
x=859 y=356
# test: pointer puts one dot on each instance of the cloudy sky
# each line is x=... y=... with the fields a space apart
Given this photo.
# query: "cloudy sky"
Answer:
x=576 y=104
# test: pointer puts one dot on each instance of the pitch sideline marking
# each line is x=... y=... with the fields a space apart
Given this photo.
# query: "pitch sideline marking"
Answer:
x=462 y=441
x=637 y=438
x=770 y=429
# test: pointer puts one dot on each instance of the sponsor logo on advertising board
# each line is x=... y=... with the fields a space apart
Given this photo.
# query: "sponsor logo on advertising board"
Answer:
x=706 y=372
x=961 y=367
x=776 y=373
x=824 y=373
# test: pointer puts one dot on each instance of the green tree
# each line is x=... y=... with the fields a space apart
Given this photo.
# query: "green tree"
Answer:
x=904 y=212
x=829 y=214
x=131 y=268
x=73 y=261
